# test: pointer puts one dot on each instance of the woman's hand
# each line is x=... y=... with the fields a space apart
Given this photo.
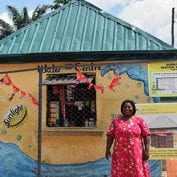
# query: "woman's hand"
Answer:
x=108 y=154
x=146 y=147
x=145 y=155
x=109 y=142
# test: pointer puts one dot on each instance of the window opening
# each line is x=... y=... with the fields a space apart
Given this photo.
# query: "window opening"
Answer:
x=69 y=103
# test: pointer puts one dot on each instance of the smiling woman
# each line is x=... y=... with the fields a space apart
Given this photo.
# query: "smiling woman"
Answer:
x=131 y=137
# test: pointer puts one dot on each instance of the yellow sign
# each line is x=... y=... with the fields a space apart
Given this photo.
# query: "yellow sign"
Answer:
x=163 y=153
x=156 y=109
x=162 y=121
x=163 y=79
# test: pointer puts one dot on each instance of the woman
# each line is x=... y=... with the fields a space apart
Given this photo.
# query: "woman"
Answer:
x=131 y=138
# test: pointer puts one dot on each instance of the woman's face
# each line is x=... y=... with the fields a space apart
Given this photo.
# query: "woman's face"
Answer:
x=127 y=109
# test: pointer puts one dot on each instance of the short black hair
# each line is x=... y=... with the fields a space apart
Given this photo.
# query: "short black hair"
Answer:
x=132 y=103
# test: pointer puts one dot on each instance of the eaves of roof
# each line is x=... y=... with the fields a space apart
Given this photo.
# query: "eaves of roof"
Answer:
x=91 y=56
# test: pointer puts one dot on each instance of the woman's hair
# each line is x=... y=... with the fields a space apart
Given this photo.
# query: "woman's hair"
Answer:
x=132 y=103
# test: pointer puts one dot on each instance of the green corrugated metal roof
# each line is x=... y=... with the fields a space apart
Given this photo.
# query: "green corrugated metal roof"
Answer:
x=77 y=27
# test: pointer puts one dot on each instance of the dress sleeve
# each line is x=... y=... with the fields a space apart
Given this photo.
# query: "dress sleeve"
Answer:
x=111 y=129
x=144 y=127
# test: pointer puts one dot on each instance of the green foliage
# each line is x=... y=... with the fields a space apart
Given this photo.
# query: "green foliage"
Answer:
x=20 y=19
x=5 y=29
x=59 y=3
x=39 y=11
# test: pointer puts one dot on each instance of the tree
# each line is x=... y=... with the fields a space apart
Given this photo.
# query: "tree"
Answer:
x=58 y=3
x=20 y=19
x=5 y=29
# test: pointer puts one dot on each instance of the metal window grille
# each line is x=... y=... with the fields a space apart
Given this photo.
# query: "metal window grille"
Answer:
x=70 y=103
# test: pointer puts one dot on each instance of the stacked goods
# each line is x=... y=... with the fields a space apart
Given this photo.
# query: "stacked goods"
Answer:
x=53 y=113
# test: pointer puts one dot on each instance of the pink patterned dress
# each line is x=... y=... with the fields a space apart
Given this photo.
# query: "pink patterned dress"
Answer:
x=128 y=147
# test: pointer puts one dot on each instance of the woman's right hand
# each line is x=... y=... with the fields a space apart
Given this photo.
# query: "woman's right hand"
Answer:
x=145 y=155
x=108 y=154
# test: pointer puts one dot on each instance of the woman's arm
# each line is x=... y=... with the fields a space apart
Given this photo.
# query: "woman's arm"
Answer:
x=146 y=140
x=109 y=142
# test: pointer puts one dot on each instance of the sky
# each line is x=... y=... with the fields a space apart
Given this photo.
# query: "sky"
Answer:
x=152 y=16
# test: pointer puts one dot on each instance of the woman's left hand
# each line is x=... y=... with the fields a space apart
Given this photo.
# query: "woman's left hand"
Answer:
x=146 y=147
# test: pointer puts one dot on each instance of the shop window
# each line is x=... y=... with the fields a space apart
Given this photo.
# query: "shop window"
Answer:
x=70 y=103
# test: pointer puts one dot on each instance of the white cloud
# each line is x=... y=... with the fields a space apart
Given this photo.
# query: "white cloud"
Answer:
x=104 y=4
x=4 y=16
x=152 y=16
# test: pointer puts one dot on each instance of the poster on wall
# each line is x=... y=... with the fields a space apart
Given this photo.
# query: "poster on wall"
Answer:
x=162 y=79
x=162 y=121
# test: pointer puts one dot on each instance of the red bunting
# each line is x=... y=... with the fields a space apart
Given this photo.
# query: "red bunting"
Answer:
x=88 y=82
x=34 y=100
x=22 y=94
x=114 y=82
x=99 y=88
x=7 y=80
x=90 y=85
x=15 y=89
x=80 y=76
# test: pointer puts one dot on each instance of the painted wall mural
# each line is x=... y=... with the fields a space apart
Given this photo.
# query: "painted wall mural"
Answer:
x=18 y=147
x=135 y=71
x=15 y=163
